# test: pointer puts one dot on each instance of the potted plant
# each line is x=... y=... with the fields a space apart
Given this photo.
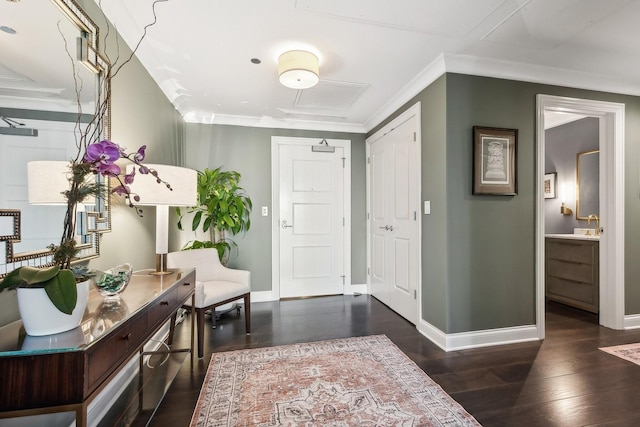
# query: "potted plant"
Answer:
x=58 y=286
x=224 y=208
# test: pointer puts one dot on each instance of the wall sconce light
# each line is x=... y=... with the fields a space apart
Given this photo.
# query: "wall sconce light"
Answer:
x=298 y=69
x=565 y=210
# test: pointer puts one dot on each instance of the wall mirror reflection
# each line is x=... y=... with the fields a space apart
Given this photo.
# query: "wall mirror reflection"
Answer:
x=587 y=184
x=44 y=91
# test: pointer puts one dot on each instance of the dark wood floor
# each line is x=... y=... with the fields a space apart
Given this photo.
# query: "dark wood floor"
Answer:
x=563 y=381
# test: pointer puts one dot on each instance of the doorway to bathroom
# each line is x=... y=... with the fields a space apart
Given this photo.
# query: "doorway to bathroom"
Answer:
x=608 y=119
x=571 y=210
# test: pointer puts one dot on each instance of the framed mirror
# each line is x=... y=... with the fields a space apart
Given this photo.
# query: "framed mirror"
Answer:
x=52 y=86
x=587 y=184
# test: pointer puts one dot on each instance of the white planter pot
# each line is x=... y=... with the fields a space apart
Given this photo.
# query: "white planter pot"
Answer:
x=41 y=317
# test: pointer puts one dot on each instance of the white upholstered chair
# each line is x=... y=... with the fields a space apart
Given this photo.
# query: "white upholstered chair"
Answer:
x=216 y=285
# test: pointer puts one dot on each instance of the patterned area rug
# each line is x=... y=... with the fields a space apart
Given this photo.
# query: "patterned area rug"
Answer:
x=630 y=352
x=365 y=381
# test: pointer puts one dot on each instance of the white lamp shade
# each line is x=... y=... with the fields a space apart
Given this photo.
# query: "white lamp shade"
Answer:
x=183 y=192
x=298 y=69
x=46 y=182
x=183 y=182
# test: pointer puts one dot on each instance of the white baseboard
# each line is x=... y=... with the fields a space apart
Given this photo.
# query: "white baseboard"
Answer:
x=262 y=296
x=477 y=339
x=266 y=296
x=632 y=321
x=356 y=289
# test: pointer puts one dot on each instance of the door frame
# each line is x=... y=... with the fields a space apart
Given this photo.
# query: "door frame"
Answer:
x=414 y=110
x=276 y=142
x=612 y=139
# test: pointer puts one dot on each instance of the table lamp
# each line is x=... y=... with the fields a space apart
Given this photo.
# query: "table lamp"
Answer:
x=183 y=192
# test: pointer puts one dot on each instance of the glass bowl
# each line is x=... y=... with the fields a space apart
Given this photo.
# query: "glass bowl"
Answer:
x=112 y=282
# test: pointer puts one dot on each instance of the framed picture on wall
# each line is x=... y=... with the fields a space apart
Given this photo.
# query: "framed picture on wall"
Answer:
x=494 y=161
x=550 y=185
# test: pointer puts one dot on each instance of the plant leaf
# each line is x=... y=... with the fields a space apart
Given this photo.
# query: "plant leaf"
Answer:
x=196 y=221
x=63 y=291
x=27 y=276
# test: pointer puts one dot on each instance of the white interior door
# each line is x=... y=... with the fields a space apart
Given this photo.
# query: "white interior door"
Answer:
x=311 y=221
x=393 y=227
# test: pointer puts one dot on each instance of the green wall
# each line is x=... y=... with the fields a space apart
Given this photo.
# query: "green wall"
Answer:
x=481 y=273
x=248 y=151
x=140 y=115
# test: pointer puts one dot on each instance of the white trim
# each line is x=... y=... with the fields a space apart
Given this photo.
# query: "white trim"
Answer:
x=360 y=288
x=433 y=334
x=478 y=339
x=267 y=296
x=491 y=337
x=262 y=296
x=270 y=122
x=414 y=110
x=501 y=69
x=612 y=140
x=632 y=321
x=427 y=76
x=535 y=73
x=276 y=141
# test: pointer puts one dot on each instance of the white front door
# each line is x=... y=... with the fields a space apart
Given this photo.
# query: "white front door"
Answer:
x=311 y=221
x=393 y=210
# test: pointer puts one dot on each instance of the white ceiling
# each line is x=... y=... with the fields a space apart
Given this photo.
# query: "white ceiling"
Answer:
x=374 y=54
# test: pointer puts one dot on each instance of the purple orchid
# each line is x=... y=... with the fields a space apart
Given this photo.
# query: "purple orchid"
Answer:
x=128 y=178
x=121 y=190
x=139 y=156
x=102 y=155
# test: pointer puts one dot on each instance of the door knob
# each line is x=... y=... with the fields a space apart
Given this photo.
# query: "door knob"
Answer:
x=285 y=225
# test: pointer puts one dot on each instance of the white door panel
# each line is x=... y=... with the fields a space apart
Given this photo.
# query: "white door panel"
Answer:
x=394 y=201
x=311 y=210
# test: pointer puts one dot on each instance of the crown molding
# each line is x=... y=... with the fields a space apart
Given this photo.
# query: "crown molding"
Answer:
x=427 y=76
x=270 y=122
x=508 y=70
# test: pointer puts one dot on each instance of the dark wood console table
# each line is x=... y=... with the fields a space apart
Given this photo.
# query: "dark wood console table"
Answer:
x=65 y=372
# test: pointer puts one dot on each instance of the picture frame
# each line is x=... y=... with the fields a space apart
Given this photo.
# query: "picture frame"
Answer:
x=550 y=186
x=495 y=161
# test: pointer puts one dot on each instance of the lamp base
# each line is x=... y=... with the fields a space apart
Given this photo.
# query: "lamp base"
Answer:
x=161 y=266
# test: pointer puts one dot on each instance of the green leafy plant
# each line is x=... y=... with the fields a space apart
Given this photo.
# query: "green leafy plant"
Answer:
x=223 y=208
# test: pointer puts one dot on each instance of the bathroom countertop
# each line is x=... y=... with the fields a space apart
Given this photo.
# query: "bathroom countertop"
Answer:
x=573 y=236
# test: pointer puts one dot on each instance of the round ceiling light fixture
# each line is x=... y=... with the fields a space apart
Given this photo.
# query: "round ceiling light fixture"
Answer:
x=298 y=69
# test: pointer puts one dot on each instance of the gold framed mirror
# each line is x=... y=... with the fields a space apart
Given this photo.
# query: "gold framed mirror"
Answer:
x=587 y=184
x=60 y=93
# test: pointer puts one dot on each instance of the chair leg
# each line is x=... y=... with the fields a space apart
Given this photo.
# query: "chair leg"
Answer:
x=247 y=312
x=200 y=319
